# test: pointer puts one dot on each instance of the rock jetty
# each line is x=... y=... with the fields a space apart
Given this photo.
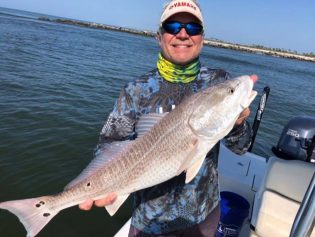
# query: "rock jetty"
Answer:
x=213 y=43
x=257 y=50
x=98 y=26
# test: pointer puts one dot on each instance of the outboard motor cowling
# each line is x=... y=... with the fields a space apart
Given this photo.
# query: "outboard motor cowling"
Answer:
x=297 y=140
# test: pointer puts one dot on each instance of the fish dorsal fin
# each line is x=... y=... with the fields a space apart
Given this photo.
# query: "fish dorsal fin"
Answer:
x=112 y=208
x=194 y=169
x=146 y=122
x=104 y=155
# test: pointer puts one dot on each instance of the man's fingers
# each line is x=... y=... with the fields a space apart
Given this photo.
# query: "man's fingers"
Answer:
x=245 y=113
x=243 y=116
x=87 y=205
x=106 y=201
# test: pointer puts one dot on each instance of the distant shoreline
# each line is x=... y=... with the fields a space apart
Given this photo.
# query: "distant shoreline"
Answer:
x=213 y=43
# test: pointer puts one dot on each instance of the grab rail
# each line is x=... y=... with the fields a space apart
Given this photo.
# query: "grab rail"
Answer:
x=305 y=218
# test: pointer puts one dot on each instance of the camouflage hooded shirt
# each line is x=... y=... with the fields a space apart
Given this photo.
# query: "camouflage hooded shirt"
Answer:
x=172 y=205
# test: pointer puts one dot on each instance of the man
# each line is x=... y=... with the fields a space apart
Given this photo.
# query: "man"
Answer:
x=173 y=208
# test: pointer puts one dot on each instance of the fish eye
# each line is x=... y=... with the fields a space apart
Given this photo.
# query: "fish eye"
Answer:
x=231 y=91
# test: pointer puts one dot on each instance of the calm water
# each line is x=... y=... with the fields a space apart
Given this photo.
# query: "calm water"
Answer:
x=59 y=82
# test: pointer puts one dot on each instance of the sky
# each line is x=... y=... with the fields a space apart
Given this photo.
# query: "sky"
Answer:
x=284 y=24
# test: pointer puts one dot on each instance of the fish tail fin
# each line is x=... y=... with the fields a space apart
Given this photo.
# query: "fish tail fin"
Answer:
x=32 y=213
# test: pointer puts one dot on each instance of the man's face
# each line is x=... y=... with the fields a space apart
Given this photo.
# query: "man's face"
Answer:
x=181 y=48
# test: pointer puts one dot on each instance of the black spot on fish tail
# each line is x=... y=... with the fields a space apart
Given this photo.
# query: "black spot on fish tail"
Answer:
x=46 y=214
x=88 y=184
x=38 y=205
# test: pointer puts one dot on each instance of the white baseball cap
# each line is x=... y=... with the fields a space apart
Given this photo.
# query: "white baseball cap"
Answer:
x=177 y=6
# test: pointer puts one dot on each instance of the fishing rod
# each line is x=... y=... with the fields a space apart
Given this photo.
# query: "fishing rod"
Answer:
x=259 y=114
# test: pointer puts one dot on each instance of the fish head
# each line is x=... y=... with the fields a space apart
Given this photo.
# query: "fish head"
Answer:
x=217 y=108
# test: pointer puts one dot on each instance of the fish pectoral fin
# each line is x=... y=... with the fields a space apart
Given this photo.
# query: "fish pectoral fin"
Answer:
x=112 y=208
x=193 y=170
x=190 y=154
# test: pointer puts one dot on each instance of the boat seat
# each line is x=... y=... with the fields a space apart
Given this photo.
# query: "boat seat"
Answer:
x=279 y=197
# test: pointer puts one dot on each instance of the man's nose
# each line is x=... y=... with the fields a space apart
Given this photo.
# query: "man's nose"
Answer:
x=182 y=34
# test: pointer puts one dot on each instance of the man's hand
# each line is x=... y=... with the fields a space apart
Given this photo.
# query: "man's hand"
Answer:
x=109 y=199
x=243 y=116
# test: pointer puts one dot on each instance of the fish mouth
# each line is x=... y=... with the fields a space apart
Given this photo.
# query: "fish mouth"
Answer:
x=250 y=99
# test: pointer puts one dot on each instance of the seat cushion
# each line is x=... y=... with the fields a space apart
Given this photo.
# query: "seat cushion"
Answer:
x=276 y=215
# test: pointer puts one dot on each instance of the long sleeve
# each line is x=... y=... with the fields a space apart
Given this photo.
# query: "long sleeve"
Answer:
x=239 y=139
x=120 y=123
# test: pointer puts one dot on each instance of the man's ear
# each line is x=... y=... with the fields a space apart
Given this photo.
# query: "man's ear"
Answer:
x=158 y=37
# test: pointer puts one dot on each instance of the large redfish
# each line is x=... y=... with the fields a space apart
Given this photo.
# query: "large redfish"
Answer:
x=167 y=145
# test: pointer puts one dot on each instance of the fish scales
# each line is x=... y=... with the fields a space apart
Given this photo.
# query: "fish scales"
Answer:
x=152 y=152
x=138 y=158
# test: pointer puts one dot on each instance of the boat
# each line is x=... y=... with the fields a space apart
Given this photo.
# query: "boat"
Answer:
x=279 y=191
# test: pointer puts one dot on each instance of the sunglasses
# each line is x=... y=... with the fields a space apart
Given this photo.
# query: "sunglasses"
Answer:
x=174 y=27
